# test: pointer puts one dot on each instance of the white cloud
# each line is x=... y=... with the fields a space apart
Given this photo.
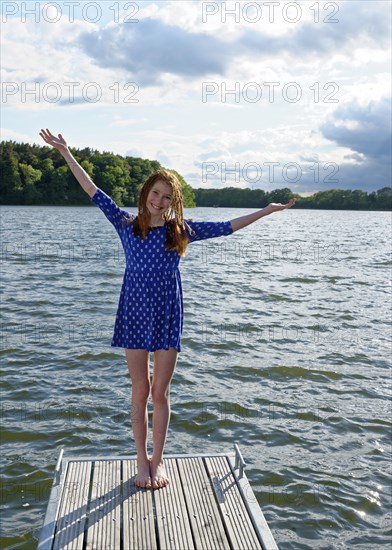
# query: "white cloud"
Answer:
x=7 y=134
x=171 y=52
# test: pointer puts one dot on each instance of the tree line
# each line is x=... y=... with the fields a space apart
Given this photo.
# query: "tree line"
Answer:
x=333 y=199
x=34 y=174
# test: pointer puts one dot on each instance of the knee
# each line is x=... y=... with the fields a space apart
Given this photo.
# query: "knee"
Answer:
x=160 y=395
x=140 y=393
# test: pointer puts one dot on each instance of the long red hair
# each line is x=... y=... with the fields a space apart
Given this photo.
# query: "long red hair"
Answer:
x=176 y=236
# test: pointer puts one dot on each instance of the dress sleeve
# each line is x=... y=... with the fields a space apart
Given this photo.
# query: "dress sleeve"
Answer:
x=114 y=213
x=207 y=230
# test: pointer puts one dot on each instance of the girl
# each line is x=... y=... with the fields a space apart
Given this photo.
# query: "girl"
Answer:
x=150 y=308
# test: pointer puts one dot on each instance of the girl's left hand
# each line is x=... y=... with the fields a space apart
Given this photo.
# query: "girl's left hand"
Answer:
x=276 y=206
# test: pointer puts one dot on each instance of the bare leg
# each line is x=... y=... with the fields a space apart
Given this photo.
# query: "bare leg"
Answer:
x=137 y=361
x=164 y=364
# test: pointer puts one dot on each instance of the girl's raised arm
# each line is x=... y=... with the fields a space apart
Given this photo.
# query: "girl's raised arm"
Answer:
x=243 y=221
x=80 y=174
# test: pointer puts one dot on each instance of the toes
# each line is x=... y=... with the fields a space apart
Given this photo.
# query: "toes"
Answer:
x=159 y=482
x=144 y=483
x=155 y=484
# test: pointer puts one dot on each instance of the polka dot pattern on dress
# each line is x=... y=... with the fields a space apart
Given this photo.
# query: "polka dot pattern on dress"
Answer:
x=150 y=307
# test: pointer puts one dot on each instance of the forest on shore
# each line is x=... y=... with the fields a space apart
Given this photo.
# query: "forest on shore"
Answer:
x=38 y=175
x=34 y=174
x=332 y=199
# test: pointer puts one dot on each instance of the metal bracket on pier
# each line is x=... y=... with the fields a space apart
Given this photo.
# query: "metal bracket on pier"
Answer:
x=58 y=469
x=239 y=460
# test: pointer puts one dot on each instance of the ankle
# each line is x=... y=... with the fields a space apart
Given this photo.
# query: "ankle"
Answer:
x=142 y=459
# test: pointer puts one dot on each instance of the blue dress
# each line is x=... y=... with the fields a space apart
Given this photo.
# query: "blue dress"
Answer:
x=150 y=308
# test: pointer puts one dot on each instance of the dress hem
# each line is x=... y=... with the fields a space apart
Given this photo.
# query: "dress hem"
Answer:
x=177 y=348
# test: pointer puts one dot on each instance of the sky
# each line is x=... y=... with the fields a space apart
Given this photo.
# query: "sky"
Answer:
x=261 y=95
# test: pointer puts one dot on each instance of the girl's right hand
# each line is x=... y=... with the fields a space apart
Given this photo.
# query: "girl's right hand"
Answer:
x=56 y=142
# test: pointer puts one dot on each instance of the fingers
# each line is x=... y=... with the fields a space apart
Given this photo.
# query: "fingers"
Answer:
x=47 y=133
x=289 y=204
x=48 y=137
x=44 y=134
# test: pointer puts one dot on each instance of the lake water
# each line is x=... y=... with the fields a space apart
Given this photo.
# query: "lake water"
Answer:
x=286 y=351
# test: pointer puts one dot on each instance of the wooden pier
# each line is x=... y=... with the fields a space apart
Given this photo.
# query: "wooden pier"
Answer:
x=208 y=505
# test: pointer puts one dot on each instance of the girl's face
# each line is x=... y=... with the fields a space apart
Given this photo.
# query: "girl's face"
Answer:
x=159 y=200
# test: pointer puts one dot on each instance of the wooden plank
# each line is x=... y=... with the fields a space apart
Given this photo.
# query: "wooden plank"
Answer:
x=138 y=514
x=105 y=507
x=172 y=518
x=233 y=510
x=73 y=508
x=207 y=527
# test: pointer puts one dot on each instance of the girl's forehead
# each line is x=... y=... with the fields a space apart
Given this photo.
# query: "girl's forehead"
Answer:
x=162 y=186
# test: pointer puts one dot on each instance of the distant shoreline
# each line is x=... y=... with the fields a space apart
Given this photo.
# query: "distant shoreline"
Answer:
x=35 y=175
x=212 y=207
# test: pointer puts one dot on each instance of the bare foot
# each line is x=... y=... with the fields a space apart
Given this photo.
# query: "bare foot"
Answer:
x=143 y=477
x=159 y=477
